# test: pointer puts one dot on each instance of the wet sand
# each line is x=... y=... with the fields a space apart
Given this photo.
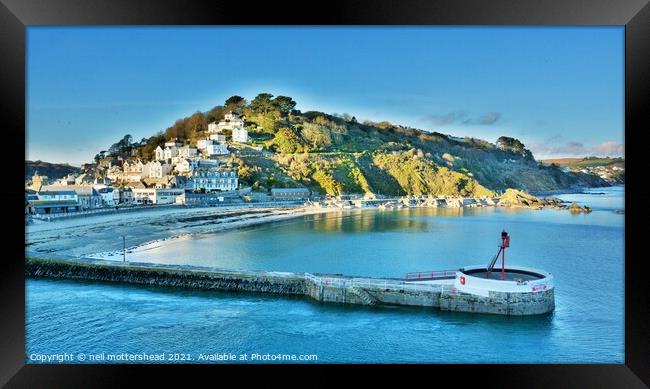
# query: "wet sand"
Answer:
x=88 y=236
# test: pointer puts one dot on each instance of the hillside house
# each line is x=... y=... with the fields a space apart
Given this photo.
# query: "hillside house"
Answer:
x=211 y=179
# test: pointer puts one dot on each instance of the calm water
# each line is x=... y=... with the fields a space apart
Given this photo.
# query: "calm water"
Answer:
x=584 y=252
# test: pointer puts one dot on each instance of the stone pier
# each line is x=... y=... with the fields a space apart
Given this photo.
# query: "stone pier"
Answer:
x=439 y=294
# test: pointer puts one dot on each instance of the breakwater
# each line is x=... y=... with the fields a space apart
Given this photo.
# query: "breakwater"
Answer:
x=439 y=294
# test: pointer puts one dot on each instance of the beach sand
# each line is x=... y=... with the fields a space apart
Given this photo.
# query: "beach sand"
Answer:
x=99 y=236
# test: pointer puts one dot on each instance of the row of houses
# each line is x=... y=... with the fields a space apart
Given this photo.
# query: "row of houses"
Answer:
x=71 y=198
x=213 y=145
x=232 y=122
x=55 y=200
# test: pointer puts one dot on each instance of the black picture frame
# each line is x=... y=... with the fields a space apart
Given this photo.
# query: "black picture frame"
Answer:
x=15 y=15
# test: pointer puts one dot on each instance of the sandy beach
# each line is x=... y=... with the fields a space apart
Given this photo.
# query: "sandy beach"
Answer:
x=100 y=236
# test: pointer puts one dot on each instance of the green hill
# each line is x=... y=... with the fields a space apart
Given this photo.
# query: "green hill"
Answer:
x=611 y=170
x=337 y=154
x=53 y=171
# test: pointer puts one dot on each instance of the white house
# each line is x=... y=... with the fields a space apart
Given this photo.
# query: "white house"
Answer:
x=49 y=202
x=134 y=171
x=216 y=149
x=229 y=122
x=133 y=167
x=186 y=165
x=170 y=152
x=160 y=154
x=212 y=180
x=209 y=147
x=58 y=195
x=156 y=195
x=187 y=152
x=115 y=173
x=240 y=135
x=218 y=137
x=157 y=169
x=84 y=195
x=110 y=196
x=203 y=143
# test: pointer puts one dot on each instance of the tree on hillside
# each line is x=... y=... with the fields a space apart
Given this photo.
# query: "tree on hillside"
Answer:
x=195 y=126
x=262 y=103
x=215 y=114
x=317 y=135
x=123 y=146
x=287 y=141
x=99 y=156
x=147 y=152
x=235 y=104
x=513 y=145
x=285 y=104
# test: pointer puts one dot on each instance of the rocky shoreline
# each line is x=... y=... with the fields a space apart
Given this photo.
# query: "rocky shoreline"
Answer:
x=512 y=198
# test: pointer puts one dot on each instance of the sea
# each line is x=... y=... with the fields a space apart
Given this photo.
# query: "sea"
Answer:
x=74 y=322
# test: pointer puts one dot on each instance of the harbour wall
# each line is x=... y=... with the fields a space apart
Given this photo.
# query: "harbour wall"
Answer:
x=320 y=287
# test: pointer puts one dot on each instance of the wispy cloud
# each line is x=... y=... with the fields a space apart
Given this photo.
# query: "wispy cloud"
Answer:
x=551 y=149
x=490 y=118
x=449 y=118
x=461 y=117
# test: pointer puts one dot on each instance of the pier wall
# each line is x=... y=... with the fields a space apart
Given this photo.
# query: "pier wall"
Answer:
x=390 y=295
x=276 y=283
x=322 y=288
x=516 y=304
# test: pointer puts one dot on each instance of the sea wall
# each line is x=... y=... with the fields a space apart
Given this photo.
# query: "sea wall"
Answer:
x=515 y=304
x=390 y=295
x=322 y=288
x=276 y=283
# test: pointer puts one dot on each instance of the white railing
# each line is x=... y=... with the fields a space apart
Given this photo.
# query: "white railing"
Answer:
x=50 y=216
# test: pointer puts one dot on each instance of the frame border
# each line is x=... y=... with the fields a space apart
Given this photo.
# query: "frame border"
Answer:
x=16 y=15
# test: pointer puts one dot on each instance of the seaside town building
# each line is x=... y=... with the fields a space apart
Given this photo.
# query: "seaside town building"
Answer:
x=240 y=135
x=211 y=179
x=38 y=181
x=185 y=165
x=221 y=138
x=156 y=195
x=157 y=169
x=170 y=151
x=85 y=196
x=290 y=193
x=125 y=195
x=131 y=172
x=190 y=198
x=209 y=147
x=230 y=122
x=110 y=196
x=51 y=202
x=187 y=152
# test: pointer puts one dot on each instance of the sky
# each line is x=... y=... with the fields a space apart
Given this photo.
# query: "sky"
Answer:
x=560 y=90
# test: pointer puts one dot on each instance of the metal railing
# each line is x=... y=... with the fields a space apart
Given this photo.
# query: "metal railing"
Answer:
x=430 y=275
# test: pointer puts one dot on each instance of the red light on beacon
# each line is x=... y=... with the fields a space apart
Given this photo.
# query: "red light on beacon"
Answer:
x=505 y=239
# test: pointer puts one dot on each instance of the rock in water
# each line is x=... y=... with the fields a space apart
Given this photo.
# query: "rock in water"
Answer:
x=517 y=198
x=575 y=208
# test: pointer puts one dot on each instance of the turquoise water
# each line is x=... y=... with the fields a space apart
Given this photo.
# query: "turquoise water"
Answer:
x=584 y=252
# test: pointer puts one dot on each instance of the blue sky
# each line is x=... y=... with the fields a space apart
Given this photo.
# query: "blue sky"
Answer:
x=560 y=90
